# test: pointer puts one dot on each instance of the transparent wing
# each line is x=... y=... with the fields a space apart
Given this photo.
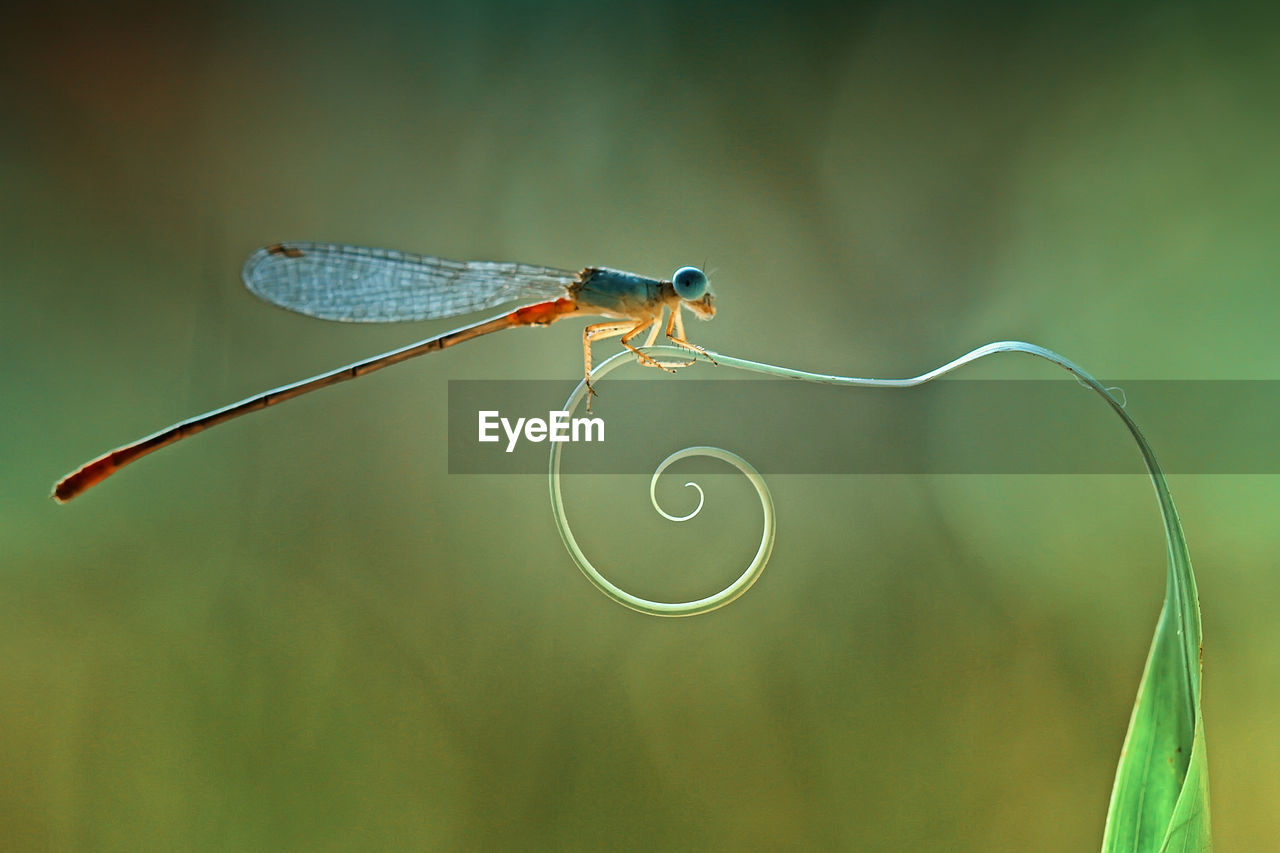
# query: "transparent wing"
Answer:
x=335 y=282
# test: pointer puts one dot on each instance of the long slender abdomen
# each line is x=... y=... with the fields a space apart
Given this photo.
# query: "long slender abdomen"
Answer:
x=97 y=470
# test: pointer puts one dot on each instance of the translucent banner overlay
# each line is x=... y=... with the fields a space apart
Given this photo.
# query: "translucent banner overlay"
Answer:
x=944 y=427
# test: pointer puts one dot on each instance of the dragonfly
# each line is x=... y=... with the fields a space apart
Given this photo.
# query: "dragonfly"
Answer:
x=331 y=281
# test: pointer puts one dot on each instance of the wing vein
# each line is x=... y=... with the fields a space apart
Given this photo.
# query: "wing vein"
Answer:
x=356 y=284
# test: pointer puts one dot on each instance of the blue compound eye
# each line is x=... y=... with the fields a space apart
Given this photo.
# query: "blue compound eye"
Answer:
x=690 y=283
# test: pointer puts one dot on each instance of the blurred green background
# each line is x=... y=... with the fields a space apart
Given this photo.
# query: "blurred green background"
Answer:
x=299 y=632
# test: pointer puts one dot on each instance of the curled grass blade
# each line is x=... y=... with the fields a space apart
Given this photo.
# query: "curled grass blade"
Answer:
x=1160 y=798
